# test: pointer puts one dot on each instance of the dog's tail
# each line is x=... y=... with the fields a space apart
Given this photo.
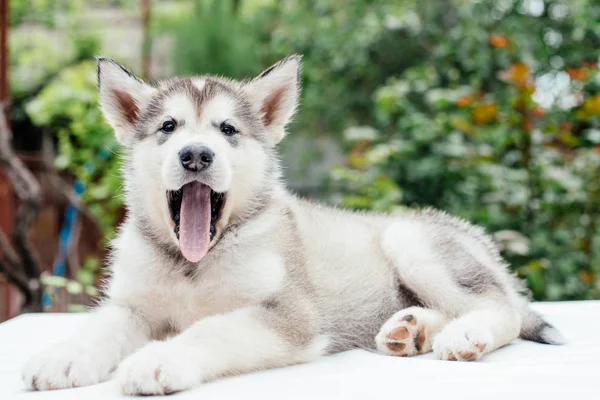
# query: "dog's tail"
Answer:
x=536 y=329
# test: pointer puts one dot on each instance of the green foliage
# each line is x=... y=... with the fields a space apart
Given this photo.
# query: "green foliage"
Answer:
x=74 y=288
x=487 y=109
x=71 y=286
x=51 y=13
x=68 y=106
x=33 y=56
x=462 y=128
x=341 y=43
x=215 y=41
x=39 y=11
x=86 y=146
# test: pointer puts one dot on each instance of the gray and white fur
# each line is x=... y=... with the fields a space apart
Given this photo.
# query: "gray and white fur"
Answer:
x=285 y=280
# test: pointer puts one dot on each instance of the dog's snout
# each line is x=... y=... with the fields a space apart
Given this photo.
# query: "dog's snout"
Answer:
x=196 y=158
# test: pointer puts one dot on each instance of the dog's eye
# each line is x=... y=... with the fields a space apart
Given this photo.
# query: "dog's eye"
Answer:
x=168 y=126
x=227 y=129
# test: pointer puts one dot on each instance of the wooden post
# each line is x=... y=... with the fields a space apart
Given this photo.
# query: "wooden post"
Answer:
x=19 y=262
x=6 y=198
x=4 y=88
x=147 y=40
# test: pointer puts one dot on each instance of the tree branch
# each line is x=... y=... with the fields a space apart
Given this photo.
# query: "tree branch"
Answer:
x=33 y=91
x=27 y=189
x=7 y=251
x=65 y=191
x=16 y=278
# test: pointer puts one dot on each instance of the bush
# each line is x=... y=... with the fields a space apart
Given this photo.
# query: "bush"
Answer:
x=86 y=146
x=216 y=40
x=496 y=120
x=487 y=109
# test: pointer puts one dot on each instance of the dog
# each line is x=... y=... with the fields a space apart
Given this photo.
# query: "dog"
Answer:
x=219 y=270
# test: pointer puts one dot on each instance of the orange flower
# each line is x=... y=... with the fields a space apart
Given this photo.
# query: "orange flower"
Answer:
x=517 y=73
x=484 y=113
x=577 y=74
x=498 y=41
x=526 y=125
x=464 y=101
x=586 y=277
x=538 y=112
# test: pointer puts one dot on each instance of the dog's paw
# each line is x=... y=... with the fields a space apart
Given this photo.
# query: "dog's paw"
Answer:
x=159 y=368
x=459 y=341
x=67 y=366
x=409 y=332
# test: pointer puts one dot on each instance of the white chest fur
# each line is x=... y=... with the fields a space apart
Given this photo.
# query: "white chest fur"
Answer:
x=167 y=298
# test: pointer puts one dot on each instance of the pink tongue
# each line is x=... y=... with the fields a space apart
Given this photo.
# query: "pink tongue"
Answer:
x=194 y=222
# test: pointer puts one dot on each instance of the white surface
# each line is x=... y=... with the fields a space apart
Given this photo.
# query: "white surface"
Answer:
x=523 y=370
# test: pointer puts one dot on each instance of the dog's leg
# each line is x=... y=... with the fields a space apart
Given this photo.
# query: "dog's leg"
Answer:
x=457 y=276
x=110 y=333
x=247 y=339
x=477 y=333
x=410 y=332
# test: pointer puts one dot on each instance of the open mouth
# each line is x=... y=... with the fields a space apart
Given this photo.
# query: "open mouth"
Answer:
x=195 y=209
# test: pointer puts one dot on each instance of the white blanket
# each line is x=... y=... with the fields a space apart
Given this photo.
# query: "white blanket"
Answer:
x=523 y=370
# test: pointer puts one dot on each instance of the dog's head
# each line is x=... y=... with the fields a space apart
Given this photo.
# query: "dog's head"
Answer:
x=199 y=150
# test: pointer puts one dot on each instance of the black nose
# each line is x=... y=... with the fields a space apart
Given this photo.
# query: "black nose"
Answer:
x=196 y=158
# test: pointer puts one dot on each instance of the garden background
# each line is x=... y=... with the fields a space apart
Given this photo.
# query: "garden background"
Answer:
x=489 y=110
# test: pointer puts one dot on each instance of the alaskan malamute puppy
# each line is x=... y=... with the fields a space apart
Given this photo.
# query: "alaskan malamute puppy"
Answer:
x=219 y=270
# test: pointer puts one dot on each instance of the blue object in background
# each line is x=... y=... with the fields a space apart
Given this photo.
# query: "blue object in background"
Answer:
x=66 y=234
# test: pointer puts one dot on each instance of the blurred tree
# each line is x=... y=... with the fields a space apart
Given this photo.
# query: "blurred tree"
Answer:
x=53 y=83
x=18 y=260
x=217 y=40
x=496 y=119
x=487 y=109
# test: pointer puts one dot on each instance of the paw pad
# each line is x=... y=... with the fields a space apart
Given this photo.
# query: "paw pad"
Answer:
x=399 y=333
x=395 y=347
x=402 y=336
x=466 y=355
x=454 y=344
x=420 y=339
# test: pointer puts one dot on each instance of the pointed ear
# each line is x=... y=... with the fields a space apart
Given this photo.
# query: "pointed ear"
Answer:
x=275 y=94
x=122 y=97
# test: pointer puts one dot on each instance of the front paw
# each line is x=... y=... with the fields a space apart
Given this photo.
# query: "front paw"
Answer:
x=461 y=341
x=67 y=365
x=160 y=368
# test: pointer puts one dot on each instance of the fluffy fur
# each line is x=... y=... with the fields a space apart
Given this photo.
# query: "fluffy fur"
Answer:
x=285 y=281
